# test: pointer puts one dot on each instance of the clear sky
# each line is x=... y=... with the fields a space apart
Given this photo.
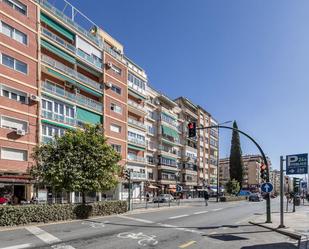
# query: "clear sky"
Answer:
x=240 y=59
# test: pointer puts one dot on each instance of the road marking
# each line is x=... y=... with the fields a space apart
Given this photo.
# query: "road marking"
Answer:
x=136 y=219
x=201 y=212
x=217 y=209
x=179 y=216
x=17 y=246
x=48 y=238
x=187 y=244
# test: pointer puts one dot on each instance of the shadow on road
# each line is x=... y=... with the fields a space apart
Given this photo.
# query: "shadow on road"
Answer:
x=272 y=246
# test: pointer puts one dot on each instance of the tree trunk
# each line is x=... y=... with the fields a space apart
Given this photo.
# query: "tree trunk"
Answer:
x=83 y=198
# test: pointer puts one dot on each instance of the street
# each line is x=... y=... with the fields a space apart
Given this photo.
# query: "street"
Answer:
x=219 y=225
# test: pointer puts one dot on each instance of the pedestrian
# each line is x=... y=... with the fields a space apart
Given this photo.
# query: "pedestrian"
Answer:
x=147 y=197
x=206 y=197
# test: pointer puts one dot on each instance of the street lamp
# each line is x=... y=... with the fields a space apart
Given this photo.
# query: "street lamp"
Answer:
x=218 y=185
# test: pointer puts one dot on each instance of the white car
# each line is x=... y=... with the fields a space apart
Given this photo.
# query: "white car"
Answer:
x=163 y=198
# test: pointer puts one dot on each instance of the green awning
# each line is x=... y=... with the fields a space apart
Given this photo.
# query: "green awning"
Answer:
x=134 y=147
x=88 y=116
x=65 y=78
x=59 y=28
x=56 y=124
x=169 y=131
x=58 y=51
x=136 y=94
x=169 y=115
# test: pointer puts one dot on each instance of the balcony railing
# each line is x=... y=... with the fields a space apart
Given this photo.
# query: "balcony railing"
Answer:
x=136 y=158
x=59 y=118
x=58 y=40
x=138 y=175
x=136 y=123
x=71 y=72
x=163 y=148
x=135 y=105
x=137 y=141
x=89 y=58
x=136 y=88
x=46 y=140
x=77 y=98
x=46 y=5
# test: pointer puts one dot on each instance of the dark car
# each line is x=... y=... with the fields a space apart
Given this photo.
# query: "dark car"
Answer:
x=3 y=201
x=255 y=197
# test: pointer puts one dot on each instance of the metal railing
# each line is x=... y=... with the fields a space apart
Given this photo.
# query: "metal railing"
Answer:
x=58 y=40
x=89 y=58
x=132 y=103
x=138 y=175
x=71 y=72
x=59 y=118
x=136 y=123
x=136 y=158
x=136 y=88
x=136 y=141
x=77 y=98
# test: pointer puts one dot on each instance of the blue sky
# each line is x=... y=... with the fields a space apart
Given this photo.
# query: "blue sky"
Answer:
x=240 y=59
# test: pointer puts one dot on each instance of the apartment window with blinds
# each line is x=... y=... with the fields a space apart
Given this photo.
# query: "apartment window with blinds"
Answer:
x=14 y=124
x=117 y=147
x=13 y=33
x=16 y=5
x=13 y=94
x=14 y=64
x=116 y=69
x=116 y=108
x=116 y=89
x=14 y=154
x=115 y=128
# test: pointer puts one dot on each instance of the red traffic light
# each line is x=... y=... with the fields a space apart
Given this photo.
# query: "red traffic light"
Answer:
x=192 y=129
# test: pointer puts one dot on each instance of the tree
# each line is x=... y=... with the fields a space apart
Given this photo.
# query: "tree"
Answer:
x=232 y=187
x=236 y=162
x=80 y=160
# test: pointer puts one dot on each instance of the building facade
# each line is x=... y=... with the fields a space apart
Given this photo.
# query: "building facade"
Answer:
x=59 y=71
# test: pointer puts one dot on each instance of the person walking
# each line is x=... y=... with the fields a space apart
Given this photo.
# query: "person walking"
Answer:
x=206 y=198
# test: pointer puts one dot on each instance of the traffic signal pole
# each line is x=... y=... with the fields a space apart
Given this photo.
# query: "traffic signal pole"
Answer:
x=268 y=208
x=281 y=194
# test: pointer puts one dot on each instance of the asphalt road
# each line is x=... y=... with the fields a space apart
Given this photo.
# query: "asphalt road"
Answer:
x=220 y=226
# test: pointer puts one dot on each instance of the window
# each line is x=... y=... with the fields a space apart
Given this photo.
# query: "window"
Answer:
x=116 y=69
x=115 y=128
x=14 y=33
x=116 y=147
x=151 y=130
x=13 y=94
x=136 y=81
x=168 y=119
x=15 y=4
x=150 y=160
x=14 y=154
x=14 y=64
x=51 y=131
x=116 y=89
x=116 y=108
x=12 y=123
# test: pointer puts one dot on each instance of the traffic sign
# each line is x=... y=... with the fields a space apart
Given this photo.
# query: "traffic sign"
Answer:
x=267 y=187
x=303 y=185
x=297 y=164
x=178 y=188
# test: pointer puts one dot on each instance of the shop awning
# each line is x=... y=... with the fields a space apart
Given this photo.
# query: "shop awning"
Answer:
x=59 y=28
x=58 y=52
x=169 y=131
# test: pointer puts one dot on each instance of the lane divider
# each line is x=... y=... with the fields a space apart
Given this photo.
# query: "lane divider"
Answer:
x=17 y=246
x=178 y=216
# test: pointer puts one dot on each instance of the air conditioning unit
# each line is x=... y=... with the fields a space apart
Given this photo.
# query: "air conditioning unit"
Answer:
x=21 y=132
x=108 y=84
x=109 y=64
x=67 y=84
x=34 y=98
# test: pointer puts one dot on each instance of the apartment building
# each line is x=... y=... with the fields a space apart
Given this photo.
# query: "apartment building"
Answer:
x=60 y=71
x=251 y=179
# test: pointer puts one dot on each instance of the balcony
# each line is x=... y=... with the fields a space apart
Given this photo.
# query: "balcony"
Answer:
x=58 y=118
x=77 y=98
x=136 y=123
x=137 y=89
x=137 y=141
x=46 y=140
x=138 y=176
x=137 y=159
x=71 y=72
x=170 y=152
x=89 y=59
x=52 y=9
x=136 y=108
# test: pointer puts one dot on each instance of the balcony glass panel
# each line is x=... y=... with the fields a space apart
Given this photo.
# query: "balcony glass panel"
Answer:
x=136 y=123
x=135 y=158
x=58 y=118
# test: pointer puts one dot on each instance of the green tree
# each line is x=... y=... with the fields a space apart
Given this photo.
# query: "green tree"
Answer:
x=81 y=160
x=232 y=187
x=236 y=162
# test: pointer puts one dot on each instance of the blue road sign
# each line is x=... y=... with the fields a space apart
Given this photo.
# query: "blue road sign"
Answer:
x=297 y=164
x=267 y=187
x=178 y=188
x=303 y=185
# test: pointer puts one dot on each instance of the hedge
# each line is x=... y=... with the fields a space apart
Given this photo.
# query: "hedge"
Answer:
x=21 y=215
x=232 y=198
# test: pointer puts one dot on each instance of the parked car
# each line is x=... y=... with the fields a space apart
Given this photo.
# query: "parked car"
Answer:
x=255 y=197
x=3 y=201
x=163 y=198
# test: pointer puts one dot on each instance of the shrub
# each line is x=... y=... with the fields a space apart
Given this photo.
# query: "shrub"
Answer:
x=232 y=187
x=20 y=215
x=232 y=198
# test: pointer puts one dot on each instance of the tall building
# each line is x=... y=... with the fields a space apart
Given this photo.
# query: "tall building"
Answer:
x=251 y=179
x=60 y=71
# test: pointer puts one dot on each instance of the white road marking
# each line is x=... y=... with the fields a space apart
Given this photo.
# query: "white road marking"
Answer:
x=201 y=212
x=136 y=219
x=217 y=209
x=179 y=216
x=21 y=246
x=48 y=238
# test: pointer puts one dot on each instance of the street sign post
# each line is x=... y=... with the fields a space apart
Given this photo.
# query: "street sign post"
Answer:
x=297 y=164
x=267 y=187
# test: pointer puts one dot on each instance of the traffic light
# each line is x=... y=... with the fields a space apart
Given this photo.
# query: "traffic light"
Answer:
x=192 y=129
x=296 y=183
x=263 y=171
x=127 y=174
